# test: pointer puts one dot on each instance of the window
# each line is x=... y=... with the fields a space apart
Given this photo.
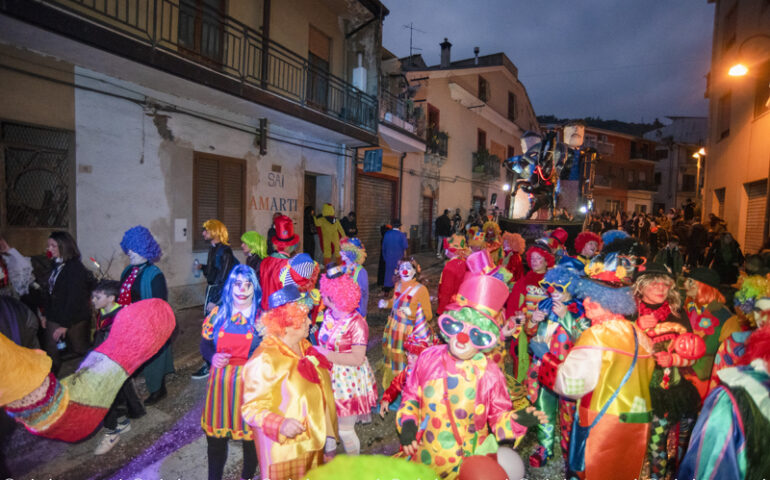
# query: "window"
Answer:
x=762 y=90
x=729 y=27
x=483 y=89
x=688 y=183
x=723 y=116
x=661 y=154
x=219 y=191
x=630 y=176
x=433 y=118
x=511 y=152
x=642 y=176
x=658 y=178
x=201 y=33
x=612 y=206
x=481 y=140
x=319 y=58
x=36 y=164
x=511 y=106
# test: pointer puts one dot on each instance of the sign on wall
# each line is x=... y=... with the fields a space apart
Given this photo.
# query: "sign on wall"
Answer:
x=373 y=160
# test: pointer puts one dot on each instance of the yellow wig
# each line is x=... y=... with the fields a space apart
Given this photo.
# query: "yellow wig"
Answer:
x=217 y=230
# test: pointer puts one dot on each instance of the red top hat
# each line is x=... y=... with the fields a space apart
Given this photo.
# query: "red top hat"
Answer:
x=560 y=235
x=284 y=232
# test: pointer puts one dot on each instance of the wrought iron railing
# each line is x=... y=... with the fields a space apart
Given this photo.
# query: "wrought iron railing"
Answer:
x=437 y=142
x=401 y=113
x=486 y=165
x=223 y=44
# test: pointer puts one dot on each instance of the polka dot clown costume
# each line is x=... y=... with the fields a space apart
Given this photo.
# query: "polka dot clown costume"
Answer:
x=455 y=402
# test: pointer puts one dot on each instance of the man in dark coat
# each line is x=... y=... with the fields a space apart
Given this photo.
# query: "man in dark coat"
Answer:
x=443 y=230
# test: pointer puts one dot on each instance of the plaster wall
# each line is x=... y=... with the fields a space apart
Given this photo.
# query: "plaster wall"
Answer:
x=135 y=167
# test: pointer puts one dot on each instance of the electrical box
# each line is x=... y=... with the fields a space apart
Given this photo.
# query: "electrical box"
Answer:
x=180 y=230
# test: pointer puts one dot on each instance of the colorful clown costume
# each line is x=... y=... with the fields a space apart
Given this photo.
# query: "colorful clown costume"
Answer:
x=453 y=399
x=413 y=295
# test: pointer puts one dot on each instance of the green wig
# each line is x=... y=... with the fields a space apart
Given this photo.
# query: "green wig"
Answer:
x=256 y=243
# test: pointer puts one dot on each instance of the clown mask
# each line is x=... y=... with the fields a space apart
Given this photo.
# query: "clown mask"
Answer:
x=467 y=332
x=135 y=259
x=406 y=271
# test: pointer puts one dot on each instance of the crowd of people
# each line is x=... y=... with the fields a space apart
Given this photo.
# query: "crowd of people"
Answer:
x=632 y=356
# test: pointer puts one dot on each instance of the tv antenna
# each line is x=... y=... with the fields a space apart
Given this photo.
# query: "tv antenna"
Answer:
x=412 y=48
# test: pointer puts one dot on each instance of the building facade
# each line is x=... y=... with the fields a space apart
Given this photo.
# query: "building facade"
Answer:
x=677 y=171
x=476 y=111
x=166 y=113
x=737 y=161
x=623 y=171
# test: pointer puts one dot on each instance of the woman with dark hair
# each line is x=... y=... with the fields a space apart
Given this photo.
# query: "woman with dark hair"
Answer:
x=67 y=315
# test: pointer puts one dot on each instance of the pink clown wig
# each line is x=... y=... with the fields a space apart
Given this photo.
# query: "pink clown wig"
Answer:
x=343 y=291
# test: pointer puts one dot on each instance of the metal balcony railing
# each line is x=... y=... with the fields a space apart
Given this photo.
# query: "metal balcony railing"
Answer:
x=401 y=113
x=486 y=165
x=437 y=142
x=223 y=44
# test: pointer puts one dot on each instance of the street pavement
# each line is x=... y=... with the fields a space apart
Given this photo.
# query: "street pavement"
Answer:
x=168 y=442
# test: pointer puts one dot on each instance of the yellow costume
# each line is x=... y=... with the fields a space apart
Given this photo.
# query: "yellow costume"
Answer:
x=274 y=389
x=330 y=233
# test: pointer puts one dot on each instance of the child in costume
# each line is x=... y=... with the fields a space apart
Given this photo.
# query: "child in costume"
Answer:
x=587 y=245
x=730 y=437
x=408 y=296
x=103 y=298
x=455 y=403
x=675 y=400
x=287 y=392
x=452 y=275
x=342 y=340
x=709 y=318
x=71 y=409
x=140 y=280
x=230 y=335
x=513 y=246
x=556 y=325
x=608 y=371
x=494 y=240
x=354 y=255
x=285 y=242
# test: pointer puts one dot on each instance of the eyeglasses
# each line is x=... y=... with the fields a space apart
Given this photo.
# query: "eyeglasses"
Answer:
x=549 y=286
x=478 y=337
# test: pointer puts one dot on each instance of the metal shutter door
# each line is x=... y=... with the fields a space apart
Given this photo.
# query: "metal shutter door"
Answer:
x=755 y=215
x=374 y=207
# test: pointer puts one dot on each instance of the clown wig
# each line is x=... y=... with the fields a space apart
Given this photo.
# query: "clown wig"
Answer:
x=516 y=241
x=562 y=275
x=583 y=238
x=290 y=315
x=140 y=240
x=706 y=294
x=493 y=225
x=548 y=256
x=353 y=250
x=257 y=243
x=757 y=347
x=217 y=230
x=673 y=298
x=616 y=300
x=611 y=235
x=226 y=307
x=343 y=292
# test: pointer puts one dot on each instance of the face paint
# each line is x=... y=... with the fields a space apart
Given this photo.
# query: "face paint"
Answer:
x=406 y=271
x=243 y=292
x=135 y=259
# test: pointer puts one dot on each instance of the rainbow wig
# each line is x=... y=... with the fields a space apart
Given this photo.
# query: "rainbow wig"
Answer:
x=290 y=315
x=226 y=306
x=343 y=291
x=139 y=240
x=217 y=230
x=353 y=250
x=257 y=243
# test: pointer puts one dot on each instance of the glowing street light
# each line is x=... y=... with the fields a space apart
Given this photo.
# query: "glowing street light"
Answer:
x=738 y=70
x=506 y=187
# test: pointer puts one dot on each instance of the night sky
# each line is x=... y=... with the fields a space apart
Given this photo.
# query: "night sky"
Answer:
x=630 y=60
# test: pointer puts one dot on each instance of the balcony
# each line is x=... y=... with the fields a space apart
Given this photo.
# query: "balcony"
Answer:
x=485 y=165
x=200 y=44
x=401 y=113
x=601 y=181
x=437 y=142
x=648 y=186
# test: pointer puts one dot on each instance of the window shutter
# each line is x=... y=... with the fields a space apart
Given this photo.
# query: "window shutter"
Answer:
x=231 y=211
x=218 y=192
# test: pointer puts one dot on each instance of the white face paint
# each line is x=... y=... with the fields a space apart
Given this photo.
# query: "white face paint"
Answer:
x=135 y=259
x=406 y=271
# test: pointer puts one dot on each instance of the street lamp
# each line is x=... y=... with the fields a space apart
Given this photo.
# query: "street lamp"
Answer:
x=700 y=154
x=739 y=69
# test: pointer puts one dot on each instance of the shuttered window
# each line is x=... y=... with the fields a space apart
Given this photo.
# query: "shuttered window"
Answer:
x=219 y=191
x=755 y=215
x=375 y=206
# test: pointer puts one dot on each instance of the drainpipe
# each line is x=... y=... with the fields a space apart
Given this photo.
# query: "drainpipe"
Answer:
x=400 y=184
x=266 y=41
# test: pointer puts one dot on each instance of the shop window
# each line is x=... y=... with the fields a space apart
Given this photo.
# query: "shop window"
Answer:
x=219 y=191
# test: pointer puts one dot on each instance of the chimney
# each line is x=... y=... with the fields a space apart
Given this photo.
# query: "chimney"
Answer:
x=476 y=55
x=445 y=48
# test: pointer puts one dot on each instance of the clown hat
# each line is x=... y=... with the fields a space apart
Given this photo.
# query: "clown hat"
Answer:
x=299 y=270
x=287 y=294
x=560 y=235
x=483 y=293
x=480 y=263
x=353 y=249
x=284 y=232
x=477 y=239
x=607 y=282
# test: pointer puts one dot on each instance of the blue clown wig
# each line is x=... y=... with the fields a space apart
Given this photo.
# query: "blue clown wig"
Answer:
x=141 y=241
x=616 y=300
x=562 y=275
x=226 y=303
x=611 y=235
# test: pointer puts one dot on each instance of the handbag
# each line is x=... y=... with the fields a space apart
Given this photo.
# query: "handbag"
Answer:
x=576 y=460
